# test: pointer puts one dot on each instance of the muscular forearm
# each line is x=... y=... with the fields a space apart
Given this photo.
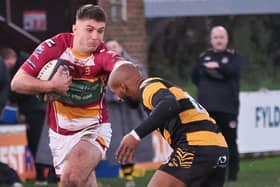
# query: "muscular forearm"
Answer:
x=164 y=111
x=26 y=84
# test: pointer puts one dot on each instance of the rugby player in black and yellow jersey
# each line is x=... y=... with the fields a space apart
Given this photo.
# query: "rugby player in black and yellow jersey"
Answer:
x=200 y=152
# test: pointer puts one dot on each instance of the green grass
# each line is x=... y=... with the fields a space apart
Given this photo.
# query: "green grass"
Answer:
x=261 y=172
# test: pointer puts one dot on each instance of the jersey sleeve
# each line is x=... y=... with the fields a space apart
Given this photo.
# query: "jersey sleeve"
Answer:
x=163 y=104
x=149 y=92
x=107 y=60
x=48 y=50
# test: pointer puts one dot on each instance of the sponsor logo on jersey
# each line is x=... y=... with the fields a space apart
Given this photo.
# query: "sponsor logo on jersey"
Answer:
x=87 y=70
x=50 y=42
x=39 y=50
x=222 y=162
x=32 y=64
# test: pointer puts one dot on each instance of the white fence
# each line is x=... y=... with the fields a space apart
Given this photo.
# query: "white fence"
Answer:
x=259 y=122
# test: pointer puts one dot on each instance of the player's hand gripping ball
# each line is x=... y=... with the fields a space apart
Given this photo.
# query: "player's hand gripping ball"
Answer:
x=47 y=72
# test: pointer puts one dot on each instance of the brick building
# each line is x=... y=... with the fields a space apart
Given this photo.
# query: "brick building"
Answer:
x=126 y=22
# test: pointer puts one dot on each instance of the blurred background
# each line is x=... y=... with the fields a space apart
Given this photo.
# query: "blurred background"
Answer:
x=167 y=32
x=167 y=36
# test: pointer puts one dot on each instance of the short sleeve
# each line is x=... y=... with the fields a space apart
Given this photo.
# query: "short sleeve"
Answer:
x=48 y=50
x=149 y=92
x=107 y=60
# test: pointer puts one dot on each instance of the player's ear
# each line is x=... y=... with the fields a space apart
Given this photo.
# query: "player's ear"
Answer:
x=74 y=28
x=123 y=87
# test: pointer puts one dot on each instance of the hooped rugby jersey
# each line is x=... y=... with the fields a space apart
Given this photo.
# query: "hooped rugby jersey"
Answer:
x=192 y=126
x=84 y=104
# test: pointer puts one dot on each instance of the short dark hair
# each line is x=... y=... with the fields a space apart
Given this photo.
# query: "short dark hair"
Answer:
x=90 y=11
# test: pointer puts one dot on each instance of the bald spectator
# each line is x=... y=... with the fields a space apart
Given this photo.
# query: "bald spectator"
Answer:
x=217 y=77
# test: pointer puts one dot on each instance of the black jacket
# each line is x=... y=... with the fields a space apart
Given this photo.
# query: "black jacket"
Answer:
x=27 y=104
x=218 y=89
x=4 y=84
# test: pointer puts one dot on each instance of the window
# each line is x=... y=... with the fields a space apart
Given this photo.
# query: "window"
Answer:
x=118 y=10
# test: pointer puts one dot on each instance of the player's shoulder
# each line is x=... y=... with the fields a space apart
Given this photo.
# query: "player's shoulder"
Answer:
x=103 y=54
x=101 y=49
x=151 y=81
x=63 y=36
x=55 y=44
x=64 y=39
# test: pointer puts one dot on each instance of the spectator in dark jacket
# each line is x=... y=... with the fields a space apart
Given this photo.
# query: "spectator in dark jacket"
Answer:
x=29 y=106
x=4 y=85
x=217 y=77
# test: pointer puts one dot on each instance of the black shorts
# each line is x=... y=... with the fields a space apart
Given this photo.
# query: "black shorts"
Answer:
x=201 y=166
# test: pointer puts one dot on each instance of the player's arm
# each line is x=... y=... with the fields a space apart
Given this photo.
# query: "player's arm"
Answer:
x=27 y=84
x=165 y=107
x=110 y=61
x=232 y=68
x=25 y=80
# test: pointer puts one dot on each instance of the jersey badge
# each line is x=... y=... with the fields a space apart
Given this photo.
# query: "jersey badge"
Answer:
x=32 y=64
x=225 y=60
x=39 y=50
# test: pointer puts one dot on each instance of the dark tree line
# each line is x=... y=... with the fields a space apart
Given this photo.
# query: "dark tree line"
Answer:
x=175 y=43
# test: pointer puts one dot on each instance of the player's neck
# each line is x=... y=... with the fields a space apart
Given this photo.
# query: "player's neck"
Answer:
x=78 y=53
x=139 y=82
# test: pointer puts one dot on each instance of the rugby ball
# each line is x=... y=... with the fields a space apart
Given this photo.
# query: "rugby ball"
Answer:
x=46 y=73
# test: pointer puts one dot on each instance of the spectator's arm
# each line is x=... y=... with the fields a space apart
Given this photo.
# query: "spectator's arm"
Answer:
x=232 y=68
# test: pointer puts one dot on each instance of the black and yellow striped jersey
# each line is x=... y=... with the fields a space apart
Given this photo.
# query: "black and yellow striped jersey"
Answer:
x=190 y=124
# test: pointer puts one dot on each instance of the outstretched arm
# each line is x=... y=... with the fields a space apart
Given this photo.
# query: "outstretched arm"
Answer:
x=166 y=107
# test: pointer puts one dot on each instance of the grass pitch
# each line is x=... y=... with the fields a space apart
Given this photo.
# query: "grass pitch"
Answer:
x=260 y=172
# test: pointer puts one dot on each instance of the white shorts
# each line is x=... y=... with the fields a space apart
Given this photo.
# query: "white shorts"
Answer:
x=61 y=145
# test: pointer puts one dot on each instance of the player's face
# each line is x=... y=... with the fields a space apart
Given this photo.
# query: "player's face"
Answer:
x=88 y=34
x=219 y=39
x=126 y=95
